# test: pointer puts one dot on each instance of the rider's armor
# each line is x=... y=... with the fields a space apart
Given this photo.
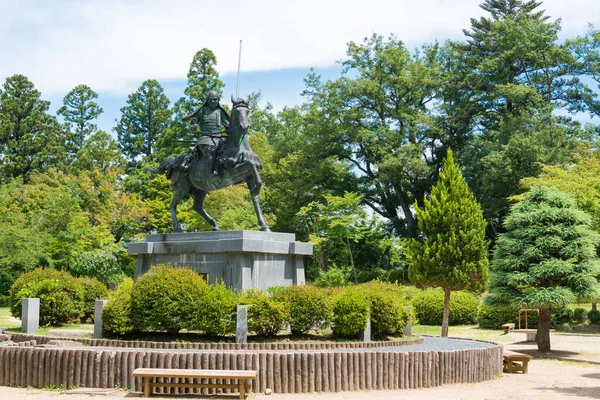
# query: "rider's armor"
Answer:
x=210 y=122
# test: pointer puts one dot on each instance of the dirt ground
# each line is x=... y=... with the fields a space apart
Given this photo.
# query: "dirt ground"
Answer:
x=547 y=379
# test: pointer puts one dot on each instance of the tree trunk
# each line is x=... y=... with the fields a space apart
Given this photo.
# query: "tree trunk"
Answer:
x=446 y=315
x=543 y=330
x=594 y=306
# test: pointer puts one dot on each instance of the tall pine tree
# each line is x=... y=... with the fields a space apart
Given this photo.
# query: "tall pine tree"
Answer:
x=453 y=251
x=143 y=119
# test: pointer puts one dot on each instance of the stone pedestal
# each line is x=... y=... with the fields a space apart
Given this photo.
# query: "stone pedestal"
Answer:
x=241 y=259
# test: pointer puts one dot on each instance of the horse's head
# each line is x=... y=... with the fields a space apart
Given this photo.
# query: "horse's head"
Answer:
x=239 y=114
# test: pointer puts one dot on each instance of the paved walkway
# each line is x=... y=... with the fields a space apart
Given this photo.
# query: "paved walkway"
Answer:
x=547 y=380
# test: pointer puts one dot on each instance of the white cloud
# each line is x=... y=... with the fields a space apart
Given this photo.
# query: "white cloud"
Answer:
x=113 y=45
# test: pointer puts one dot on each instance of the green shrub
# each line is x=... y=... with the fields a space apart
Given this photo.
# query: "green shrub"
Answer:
x=429 y=307
x=308 y=308
x=386 y=303
x=493 y=317
x=6 y=281
x=561 y=315
x=101 y=264
x=116 y=316
x=60 y=294
x=216 y=310
x=333 y=277
x=350 y=312
x=167 y=298
x=266 y=315
x=579 y=315
x=594 y=317
x=4 y=301
x=93 y=290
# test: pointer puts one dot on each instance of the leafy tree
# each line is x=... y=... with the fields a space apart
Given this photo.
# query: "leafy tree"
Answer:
x=586 y=50
x=546 y=258
x=375 y=119
x=453 y=252
x=143 y=119
x=29 y=137
x=79 y=110
x=99 y=151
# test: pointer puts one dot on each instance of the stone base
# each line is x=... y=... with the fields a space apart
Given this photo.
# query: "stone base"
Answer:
x=241 y=259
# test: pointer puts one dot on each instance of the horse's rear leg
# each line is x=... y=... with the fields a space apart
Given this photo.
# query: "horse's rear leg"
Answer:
x=254 y=192
x=199 y=196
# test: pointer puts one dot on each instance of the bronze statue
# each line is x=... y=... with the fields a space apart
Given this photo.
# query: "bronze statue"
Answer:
x=210 y=116
x=232 y=159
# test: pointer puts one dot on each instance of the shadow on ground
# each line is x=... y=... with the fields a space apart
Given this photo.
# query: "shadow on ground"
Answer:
x=577 y=392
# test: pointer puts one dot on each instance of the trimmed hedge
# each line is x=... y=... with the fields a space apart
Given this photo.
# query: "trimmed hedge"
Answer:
x=308 y=308
x=60 y=294
x=493 y=317
x=93 y=290
x=266 y=315
x=167 y=298
x=116 y=316
x=579 y=315
x=386 y=305
x=350 y=312
x=429 y=307
x=216 y=310
x=594 y=317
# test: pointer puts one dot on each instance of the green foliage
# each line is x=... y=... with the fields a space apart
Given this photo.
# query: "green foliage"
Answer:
x=93 y=290
x=429 y=307
x=307 y=307
x=60 y=294
x=494 y=316
x=594 y=317
x=453 y=254
x=168 y=298
x=100 y=264
x=143 y=119
x=116 y=315
x=561 y=316
x=79 y=110
x=266 y=315
x=386 y=303
x=332 y=277
x=216 y=310
x=547 y=257
x=350 y=312
x=24 y=126
x=579 y=315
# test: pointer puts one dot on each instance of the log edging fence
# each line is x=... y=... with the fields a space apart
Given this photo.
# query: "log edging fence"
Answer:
x=300 y=371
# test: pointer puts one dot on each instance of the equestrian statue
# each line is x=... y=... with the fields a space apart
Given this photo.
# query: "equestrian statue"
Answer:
x=215 y=162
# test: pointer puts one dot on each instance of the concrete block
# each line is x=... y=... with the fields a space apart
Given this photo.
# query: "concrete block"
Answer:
x=30 y=315
x=366 y=334
x=407 y=329
x=98 y=318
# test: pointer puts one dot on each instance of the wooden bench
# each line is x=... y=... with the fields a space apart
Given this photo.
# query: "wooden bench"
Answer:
x=516 y=362
x=508 y=327
x=149 y=373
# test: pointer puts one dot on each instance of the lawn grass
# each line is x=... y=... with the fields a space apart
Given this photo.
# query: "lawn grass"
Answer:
x=6 y=320
x=464 y=331
x=14 y=326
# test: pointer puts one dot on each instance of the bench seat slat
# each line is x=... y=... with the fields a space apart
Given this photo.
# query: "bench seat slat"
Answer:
x=195 y=373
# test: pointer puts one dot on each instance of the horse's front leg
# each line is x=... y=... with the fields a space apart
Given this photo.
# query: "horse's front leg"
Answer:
x=199 y=196
x=177 y=197
x=254 y=192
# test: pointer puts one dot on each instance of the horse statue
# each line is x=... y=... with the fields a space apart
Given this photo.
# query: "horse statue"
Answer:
x=235 y=163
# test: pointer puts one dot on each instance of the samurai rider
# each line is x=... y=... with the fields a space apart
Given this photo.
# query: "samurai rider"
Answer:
x=209 y=117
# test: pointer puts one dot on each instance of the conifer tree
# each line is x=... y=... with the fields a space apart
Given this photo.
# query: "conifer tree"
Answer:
x=453 y=251
x=546 y=258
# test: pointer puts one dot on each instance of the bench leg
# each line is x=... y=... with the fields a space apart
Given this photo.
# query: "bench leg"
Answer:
x=242 y=383
x=525 y=371
x=147 y=386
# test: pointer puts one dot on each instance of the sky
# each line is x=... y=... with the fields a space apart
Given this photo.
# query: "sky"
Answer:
x=113 y=46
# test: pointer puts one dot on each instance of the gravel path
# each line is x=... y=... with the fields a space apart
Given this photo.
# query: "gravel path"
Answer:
x=547 y=380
